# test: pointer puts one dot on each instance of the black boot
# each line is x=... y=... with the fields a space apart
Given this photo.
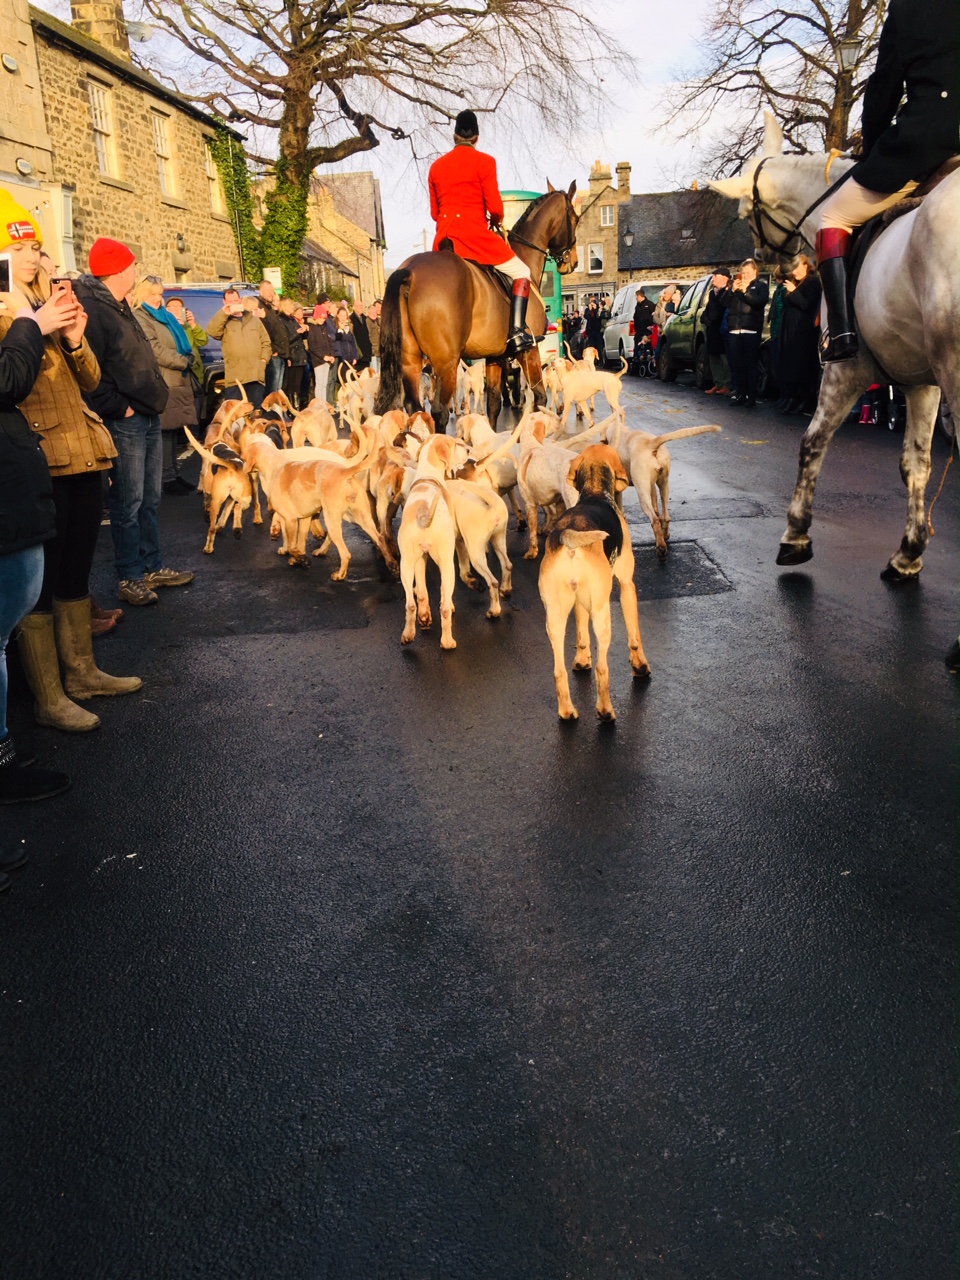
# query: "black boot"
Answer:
x=19 y=785
x=520 y=338
x=842 y=336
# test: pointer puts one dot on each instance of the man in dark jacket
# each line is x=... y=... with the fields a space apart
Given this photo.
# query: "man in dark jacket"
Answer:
x=277 y=332
x=130 y=399
x=321 y=336
x=715 y=337
x=745 y=307
x=359 y=323
x=918 y=56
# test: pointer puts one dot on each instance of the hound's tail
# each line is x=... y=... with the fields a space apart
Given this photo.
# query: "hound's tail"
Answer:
x=425 y=518
x=682 y=433
x=573 y=538
x=390 y=394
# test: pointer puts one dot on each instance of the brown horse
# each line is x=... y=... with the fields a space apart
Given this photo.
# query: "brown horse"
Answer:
x=440 y=307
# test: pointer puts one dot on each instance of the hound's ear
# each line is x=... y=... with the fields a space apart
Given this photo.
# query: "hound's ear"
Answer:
x=550 y=186
x=572 y=189
x=573 y=473
x=733 y=188
x=539 y=431
x=621 y=480
x=772 y=135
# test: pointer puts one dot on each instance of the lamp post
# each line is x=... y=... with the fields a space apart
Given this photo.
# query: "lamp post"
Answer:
x=628 y=237
x=848 y=56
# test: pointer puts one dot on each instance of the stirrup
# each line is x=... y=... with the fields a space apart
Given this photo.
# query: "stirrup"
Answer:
x=519 y=342
x=845 y=346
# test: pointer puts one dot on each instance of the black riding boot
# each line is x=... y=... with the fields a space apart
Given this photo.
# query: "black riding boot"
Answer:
x=842 y=343
x=520 y=338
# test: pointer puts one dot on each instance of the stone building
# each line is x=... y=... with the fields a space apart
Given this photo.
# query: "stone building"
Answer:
x=679 y=235
x=597 y=235
x=344 y=216
x=114 y=153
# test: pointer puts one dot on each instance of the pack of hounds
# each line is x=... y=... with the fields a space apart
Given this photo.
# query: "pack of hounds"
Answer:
x=451 y=495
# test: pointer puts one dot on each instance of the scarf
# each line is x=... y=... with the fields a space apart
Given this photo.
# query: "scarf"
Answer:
x=163 y=316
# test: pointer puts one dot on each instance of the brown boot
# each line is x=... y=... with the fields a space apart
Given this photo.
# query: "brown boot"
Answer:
x=38 y=654
x=82 y=678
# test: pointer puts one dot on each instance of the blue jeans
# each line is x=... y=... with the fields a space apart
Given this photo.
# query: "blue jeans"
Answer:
x=21 y=576
x=135 y=494
x=276 y=368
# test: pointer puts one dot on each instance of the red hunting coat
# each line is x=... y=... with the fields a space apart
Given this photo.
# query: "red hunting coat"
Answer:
x=463 y=190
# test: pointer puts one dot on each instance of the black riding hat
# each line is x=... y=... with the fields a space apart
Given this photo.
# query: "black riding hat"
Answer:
x=466 y=125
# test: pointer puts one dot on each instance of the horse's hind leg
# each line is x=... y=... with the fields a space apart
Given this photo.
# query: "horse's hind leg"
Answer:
x=494 y=394
x=842 y=384
x=446 y=385
x=922 y=406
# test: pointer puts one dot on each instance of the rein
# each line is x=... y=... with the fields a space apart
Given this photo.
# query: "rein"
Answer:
x=559 y=258
x=755 y=221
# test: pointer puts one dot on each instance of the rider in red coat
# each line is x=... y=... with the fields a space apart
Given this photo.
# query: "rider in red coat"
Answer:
x=464 y=195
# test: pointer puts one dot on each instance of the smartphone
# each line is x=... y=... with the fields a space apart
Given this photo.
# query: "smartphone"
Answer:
x=60 y=284
x=6 y=276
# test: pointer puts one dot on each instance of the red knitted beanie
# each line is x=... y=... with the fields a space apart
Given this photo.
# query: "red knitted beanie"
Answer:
x=109 y=257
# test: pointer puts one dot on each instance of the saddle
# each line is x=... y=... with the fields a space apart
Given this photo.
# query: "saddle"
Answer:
x=864 y=236
x=499 y=279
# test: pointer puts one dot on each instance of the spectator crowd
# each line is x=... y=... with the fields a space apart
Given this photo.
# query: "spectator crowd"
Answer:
x=99 y=375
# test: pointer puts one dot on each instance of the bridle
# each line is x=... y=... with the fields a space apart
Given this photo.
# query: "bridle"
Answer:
x=561 y=258
x=758 y=213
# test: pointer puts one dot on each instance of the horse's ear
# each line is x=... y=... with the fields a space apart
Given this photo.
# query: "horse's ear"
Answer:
x=572 y=189
x=733 y=188
x=772 y=135
x=550 y=186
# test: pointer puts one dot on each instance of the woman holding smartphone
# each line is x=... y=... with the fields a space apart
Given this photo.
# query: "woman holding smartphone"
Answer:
x=78 y=448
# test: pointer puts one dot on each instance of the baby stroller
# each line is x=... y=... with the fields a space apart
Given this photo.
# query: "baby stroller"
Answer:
x=644 y=363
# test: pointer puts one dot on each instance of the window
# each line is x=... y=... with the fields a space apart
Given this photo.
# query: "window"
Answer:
x=687 y=235
x=161 y=145
x=594 y=259
x=101 y=109
x=606 y=215
x=218 y=203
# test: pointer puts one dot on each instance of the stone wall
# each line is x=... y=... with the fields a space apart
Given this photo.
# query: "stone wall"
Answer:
x=131 y=207
x=23 y=127
x=591 y=204
x=350 y=243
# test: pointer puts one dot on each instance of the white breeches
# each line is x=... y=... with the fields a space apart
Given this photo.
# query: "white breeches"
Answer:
x=851 y=205
x=515 y=268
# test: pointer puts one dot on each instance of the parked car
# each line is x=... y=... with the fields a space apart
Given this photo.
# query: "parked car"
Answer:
x=205 y=300
x=684 y=341
x=618 y=336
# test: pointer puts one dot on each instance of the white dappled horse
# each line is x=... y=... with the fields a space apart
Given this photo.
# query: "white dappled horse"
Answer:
x=907 y=315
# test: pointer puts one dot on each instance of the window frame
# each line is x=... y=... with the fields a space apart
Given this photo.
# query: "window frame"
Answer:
x=218 y=197
x=102 y=126
x=160 y=122
x=592 y=270
x=607 y=215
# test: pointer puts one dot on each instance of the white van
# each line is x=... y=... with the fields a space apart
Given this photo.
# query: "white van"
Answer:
x=618 y=336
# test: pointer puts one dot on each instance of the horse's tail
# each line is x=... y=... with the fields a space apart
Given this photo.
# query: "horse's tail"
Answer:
x=390 y=394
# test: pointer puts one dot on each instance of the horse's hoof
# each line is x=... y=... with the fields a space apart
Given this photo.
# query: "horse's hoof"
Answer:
x=894 y=576
x=791 y=554
x=953 y=657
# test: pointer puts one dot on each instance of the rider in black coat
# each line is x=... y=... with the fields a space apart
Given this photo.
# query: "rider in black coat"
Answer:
x=918 y=56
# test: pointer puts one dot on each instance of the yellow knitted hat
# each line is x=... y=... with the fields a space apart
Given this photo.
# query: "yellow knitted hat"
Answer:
x=16 y=223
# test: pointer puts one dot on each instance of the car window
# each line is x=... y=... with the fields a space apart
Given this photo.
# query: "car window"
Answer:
x=687 y=300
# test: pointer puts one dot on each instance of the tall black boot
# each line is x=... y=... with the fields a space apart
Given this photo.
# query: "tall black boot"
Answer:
x=520 y=338
x=832 y=245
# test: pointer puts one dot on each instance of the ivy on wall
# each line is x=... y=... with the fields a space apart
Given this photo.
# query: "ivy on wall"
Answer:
x=231 y=164
x=285 y=225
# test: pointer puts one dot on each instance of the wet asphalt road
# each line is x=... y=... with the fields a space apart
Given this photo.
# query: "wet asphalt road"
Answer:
x=343 y=961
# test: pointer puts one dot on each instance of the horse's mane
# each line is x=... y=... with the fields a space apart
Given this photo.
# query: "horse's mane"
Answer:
x=532 y=208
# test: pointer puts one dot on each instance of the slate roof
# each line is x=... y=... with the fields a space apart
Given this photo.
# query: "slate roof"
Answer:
x=658 y=221
x=314 y=252
x=357 y=197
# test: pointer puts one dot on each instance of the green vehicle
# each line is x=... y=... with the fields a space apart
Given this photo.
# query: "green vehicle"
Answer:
x=684 y=341
x=514 y=204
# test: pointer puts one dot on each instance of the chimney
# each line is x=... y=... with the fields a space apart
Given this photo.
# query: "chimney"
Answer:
x=623 y=180
x=103 y=21
x=599 y=177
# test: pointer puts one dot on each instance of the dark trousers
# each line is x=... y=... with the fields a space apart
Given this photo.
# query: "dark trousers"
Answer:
x=743 y=353
x=292 y=382
x=254 y=391
x=172 y=442
x=67 y=557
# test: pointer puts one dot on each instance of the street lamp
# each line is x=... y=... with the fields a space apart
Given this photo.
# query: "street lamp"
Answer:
x=628 y=237
x=848 y=53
